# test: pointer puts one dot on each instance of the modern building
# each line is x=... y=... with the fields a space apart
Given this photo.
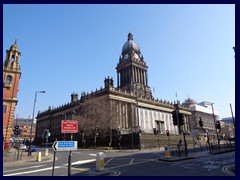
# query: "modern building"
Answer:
x=126 y=111
x=25 y=127
x=229 y=120
x=208 y=115
x=11 y=76
x=228 y=127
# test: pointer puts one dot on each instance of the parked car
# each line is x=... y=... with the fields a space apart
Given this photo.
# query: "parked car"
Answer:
x=22 y=147
x=32 y=148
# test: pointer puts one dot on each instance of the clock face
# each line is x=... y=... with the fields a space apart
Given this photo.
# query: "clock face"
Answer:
x=136 y=55
x=125 y=56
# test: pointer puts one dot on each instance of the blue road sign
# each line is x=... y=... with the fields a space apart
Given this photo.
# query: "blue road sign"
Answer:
x=64 y=145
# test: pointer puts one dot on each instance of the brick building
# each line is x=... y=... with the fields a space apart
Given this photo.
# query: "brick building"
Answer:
x=11 y=76
x=25 y=127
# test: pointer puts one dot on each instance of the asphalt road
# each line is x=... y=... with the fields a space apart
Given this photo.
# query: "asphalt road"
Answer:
x=126 y=164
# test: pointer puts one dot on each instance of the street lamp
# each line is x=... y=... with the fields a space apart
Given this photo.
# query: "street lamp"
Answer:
x=34 y=103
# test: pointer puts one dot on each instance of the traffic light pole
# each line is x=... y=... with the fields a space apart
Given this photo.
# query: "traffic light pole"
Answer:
x=180 y=130
x=177 y=112
x=70 y=160
x=201 y=125
x=216 y=128
x=185 y=143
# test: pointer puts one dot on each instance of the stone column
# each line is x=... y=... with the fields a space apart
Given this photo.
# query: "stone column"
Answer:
x=121 y=78
x=132 y=73
x=117 y=79
x=138 y=71
x=141 y=76
x=146 y=78
x=126 y=116
x=135 y=75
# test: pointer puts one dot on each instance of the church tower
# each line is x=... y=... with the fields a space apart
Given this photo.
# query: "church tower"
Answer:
x=11 y=76
x=132 y=70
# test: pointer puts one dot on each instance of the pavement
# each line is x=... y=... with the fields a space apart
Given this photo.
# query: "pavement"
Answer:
x=166 y=157
x=14 y=157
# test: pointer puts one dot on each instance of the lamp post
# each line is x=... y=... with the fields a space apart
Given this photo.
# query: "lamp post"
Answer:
x=34 y=103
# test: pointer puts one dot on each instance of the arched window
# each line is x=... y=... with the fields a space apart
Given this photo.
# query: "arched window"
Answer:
x=9 y=79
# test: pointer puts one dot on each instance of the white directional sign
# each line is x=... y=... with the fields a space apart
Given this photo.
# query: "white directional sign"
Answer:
x=64 y=145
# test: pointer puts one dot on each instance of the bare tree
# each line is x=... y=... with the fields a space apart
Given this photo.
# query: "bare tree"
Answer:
x=96 y=117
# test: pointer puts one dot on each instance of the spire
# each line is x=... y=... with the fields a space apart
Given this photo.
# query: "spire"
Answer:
x=15 y=42
x=130 y=36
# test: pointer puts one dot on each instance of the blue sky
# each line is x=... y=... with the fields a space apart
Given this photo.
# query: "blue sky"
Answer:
x=72 y=48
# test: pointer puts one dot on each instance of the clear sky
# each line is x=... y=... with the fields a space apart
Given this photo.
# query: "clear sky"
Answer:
x=72 y=48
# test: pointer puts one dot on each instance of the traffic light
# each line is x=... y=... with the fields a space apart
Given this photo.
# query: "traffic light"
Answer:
x=218 y=125
x=19 y=132
x=167 y=132
x=46 y=133
x=180 y=119
x=174 y=118
x=16 y=129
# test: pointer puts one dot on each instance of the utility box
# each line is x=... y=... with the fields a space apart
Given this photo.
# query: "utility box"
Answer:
x=100 y=161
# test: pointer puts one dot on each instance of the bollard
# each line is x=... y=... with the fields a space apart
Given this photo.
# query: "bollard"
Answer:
x=167 y=153
x=39 y=156
x=100 y=161
x=46 y=152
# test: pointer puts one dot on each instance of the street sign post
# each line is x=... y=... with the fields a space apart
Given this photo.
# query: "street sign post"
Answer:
x=64 y=145
x=69 y=126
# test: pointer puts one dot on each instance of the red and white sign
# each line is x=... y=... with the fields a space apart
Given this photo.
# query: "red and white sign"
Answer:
x=69 y=126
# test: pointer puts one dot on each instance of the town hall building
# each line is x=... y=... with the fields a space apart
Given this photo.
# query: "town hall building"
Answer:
x=112 y=115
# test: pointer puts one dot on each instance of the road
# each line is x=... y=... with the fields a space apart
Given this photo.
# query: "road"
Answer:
x=127 y=164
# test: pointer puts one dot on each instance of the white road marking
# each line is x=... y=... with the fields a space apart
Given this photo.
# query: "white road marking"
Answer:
x=130 y=164
x=50 y=168
x=23 y=168
x=131 y=161
x=92 y=154
x=108 y=161
x=227 y=171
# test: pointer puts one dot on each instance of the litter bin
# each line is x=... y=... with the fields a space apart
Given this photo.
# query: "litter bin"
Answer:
x=167 y=153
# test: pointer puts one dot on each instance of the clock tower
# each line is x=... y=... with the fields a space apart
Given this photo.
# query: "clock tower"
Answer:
x=11 y=76
x=132 y=70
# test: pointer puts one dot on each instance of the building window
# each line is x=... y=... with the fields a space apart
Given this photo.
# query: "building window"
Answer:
x=9 y=79
x=4 y=108
x=8 y=82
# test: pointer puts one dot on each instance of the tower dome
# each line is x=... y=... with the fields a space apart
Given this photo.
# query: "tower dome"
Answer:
x=14 y=47
x=130 y=45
